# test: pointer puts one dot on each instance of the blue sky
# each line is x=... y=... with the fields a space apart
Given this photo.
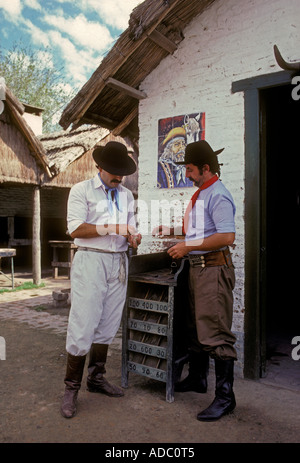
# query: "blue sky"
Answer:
x=76 y=33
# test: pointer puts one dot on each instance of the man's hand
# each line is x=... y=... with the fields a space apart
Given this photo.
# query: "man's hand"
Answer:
x=211 y=243
x=134 y=240
x=179 y=250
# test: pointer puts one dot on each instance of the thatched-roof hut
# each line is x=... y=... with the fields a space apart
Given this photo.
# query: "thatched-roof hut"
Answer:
x=23 y=161
x=36 y=174
x=18 y=137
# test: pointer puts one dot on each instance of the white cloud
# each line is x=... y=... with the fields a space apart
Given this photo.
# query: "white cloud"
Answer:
x=114 y=13
x=85 y=33
x=34 y=4
x=38 y=36
x=78 y=63
x=12 y=8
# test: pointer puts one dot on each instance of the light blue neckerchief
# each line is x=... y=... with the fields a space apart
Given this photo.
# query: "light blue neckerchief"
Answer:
x=111 y=197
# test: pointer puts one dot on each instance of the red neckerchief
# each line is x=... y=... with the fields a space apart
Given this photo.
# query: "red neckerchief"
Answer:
x=193 y=200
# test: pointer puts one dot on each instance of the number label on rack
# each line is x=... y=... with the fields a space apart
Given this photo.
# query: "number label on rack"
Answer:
x=145 y=304
x=144 y=370
x=146 y=327
x=147 y=349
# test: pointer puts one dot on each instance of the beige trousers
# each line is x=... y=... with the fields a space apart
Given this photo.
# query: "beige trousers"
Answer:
x=97 y=300
x=211 y=310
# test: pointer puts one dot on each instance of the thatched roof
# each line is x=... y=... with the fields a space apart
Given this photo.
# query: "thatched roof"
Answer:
x=64 y=147
x=16 y=110
x=110 y=97
x=54 y=152
x=69 y=155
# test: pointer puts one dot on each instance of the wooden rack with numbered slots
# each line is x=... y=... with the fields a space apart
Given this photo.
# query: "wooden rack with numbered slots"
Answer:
x=153 y=345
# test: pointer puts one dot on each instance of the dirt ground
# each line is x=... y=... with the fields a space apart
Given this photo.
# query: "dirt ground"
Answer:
x=31 y=389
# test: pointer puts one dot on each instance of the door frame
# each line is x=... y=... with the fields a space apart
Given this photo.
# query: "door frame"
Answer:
x=255 y=201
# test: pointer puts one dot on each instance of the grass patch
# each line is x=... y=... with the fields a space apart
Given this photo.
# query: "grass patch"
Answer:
x=26 y=285
x=39 y=308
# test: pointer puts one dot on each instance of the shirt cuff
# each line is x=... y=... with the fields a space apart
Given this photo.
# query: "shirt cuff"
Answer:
x=73 y=225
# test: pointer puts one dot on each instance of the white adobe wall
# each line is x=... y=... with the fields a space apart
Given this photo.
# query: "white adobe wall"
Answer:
x=231 y=40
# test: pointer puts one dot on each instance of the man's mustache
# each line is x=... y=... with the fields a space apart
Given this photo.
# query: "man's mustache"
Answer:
x=115 y=180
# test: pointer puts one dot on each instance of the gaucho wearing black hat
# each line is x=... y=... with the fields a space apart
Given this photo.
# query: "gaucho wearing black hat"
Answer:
x=209 y=229
x=101 y=220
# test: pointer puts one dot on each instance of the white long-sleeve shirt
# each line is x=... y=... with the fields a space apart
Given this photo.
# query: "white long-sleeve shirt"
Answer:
x=88 y=203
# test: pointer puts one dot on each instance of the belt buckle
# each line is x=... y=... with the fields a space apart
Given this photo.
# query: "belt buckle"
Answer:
x=228 y=259
x=198 y=261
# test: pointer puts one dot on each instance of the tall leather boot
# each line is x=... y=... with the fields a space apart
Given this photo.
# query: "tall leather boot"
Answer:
x=73 y=378
x=224 y=401
x=197 y=378
x=96 y=370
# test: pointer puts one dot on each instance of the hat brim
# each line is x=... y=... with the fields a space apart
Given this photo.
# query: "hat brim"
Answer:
x=180 y=163
x=129 y=169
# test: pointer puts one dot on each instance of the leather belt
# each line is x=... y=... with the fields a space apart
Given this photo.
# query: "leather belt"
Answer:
x=82 y=248
x=122 y=271
x=211 y=259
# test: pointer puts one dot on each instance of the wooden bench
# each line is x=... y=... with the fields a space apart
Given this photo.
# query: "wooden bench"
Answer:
x=57 y=262
x=8 y=252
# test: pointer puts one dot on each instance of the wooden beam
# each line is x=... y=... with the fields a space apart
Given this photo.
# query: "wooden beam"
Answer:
x=162 y=41
x=126 y=121
x=124 y=88
x=96 y=119
x=36 y=236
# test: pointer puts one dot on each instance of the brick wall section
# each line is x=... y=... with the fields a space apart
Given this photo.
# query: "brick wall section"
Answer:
x=230 y=41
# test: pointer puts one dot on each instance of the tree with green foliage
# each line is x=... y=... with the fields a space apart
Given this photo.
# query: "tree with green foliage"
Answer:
x=31 y=75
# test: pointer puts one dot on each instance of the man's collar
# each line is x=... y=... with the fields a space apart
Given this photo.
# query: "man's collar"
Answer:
x=98 y=182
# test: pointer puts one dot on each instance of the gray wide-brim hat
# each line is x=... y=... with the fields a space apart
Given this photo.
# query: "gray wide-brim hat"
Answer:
x=199 y=153
x=114 y=159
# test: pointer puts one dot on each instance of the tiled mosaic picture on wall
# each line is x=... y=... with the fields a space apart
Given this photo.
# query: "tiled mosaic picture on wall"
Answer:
x=174 y=133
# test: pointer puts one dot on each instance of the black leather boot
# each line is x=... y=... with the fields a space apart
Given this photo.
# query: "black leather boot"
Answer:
x=96 y=370
x=224 y=401
x=197 y=378
x=73 y=378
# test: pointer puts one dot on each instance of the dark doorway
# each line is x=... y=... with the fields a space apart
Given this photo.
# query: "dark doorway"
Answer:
x=280 y=185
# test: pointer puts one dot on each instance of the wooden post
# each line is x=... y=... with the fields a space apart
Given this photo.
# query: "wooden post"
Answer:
x=36 y=236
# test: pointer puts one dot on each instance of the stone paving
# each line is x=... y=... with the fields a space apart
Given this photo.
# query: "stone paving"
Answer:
x=19 y=305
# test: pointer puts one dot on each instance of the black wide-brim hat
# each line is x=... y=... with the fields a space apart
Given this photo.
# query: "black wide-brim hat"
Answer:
x=114 y=159
x=199 y=153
